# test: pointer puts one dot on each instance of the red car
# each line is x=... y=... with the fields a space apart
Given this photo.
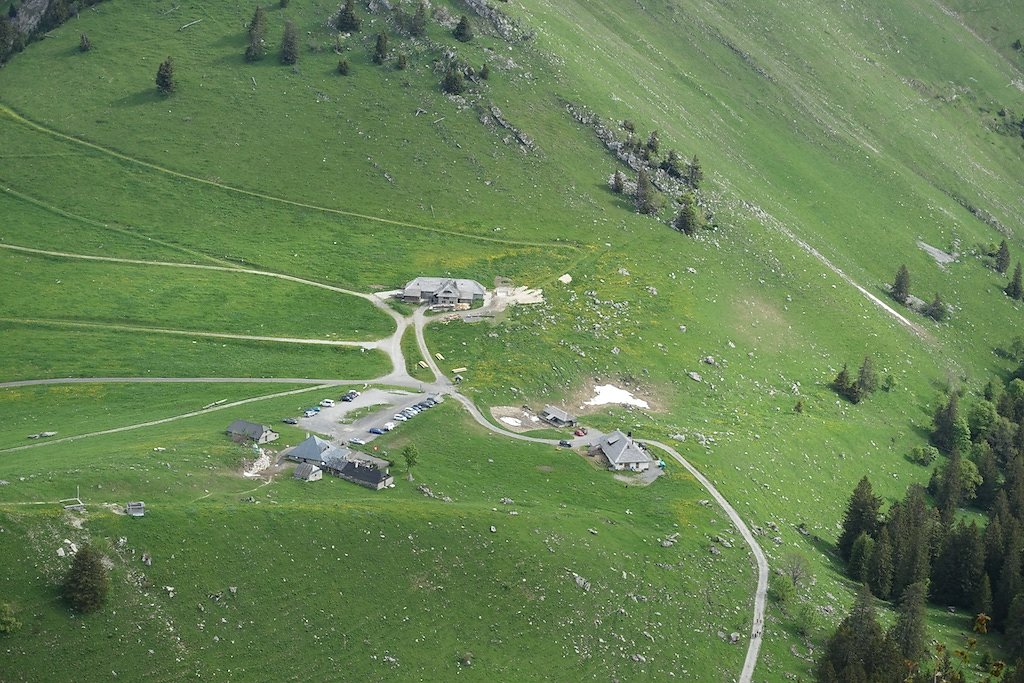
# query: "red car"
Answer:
x=580 y=431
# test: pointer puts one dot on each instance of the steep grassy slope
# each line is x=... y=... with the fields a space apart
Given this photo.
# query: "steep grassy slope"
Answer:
x=386 y=585
x=858 y=129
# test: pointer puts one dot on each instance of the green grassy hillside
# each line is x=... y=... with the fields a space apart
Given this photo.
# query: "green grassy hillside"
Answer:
x=834 y=139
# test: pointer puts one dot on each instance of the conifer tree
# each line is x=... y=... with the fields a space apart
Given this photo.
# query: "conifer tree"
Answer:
x=165 y=83
x=463 y=31
x=858 y=651
x=485 y=72
x=861 y=517
x=402 y=62
x=83 y=44
x=1014 y=289
x=936 y=310
x=343 y=67
x=257 y=47
x=686 y=220
x=618 y=182
x=453 y=82
x=943 y=421
x=673 y=164
x=841 y=384
x=1003 y=257
x=867 y=378
x=648 y=201
x=418 y=25
x=380 y=52
x=909 y=633
x=86 y=584
x=860 y=555
x=694 y=173
x=983 y=598
x=348 y=20
x=290 y=44
x=880 y=566
x=1014 y=629
x=901 y=285
x=653 y=144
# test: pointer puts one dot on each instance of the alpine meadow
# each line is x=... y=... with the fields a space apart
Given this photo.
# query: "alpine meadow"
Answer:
x=512 y=340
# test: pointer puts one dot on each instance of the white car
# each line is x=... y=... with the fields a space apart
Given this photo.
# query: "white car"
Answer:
x=327 y=403
x=388 y=426
x=400 y=417
x=356 y=442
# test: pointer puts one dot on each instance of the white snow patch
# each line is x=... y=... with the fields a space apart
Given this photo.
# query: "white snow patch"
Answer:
x=609 y=393
x=515 y=422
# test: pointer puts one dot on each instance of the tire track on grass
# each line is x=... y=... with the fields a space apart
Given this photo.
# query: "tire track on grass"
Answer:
x=165 y=420
x=28 y=123
x=190 y=333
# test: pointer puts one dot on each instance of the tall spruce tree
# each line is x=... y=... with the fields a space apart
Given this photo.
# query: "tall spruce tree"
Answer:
x=257 y=47
x=84 y=45
x=861 y=516
x=348 y=20
x=901 y=285
x=1014 y=289
x=880 y=566
x=909 y=633
x=944 y=423
x=86 y=584
x=165 y=83
x=290 y=44
x=453 y=83
x=1014 y=629
x=860 y=555
x=1003 y=257
x=858 y=650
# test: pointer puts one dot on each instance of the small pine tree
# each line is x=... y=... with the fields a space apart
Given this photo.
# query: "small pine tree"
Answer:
x=402 y=62
x=463 y=31
x=842 y=383
x=618 y=183
x=485 y=72
x=694 y=173
x=648 y=201
x=901 y=285
x=862 y=516
x=867 y=378
x=343 y=67
x=418 y=25
x=290 y=44
x=653 y=143
x=165 y=83
x=257 y=47
x=686 y=220
x=86 y=584
x=348 y=20
x=1003 y=257
x=937 y=310
x=453 y=82
x=380 y=52
x=1014 y=289
x=84 y=45
x=673 y=164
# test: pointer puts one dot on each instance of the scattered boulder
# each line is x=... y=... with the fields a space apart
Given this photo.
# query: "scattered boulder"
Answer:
x=734 y=637
x=695 y=376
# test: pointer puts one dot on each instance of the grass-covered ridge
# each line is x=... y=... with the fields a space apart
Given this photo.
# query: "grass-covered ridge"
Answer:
x=858 y=129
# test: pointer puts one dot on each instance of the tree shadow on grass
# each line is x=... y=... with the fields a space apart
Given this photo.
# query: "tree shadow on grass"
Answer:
x=140 y=98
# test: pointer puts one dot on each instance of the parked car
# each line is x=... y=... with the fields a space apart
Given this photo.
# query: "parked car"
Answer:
x=400 y=417
x=291 y=421
x=327 y=403
x=309 y=413
x=565 y=444
x=422 y=406
x=431 y=402
x=357 y=442
x=375 y=430
x=388 y=426
x=350 y=396
x=408 y=413
x=580 y=431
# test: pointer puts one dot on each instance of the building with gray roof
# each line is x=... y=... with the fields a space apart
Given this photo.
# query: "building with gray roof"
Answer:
x=622 y=452
x=443 y=291
x=242 y=430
